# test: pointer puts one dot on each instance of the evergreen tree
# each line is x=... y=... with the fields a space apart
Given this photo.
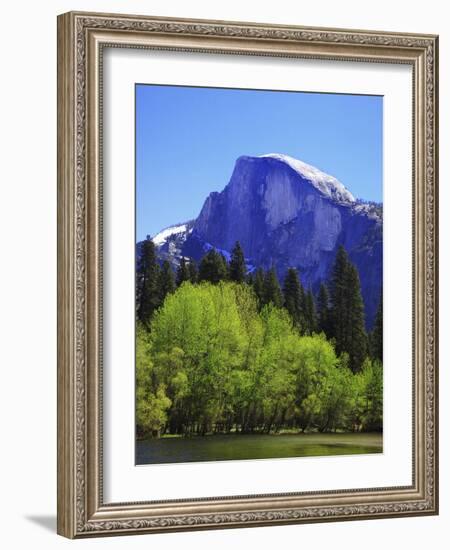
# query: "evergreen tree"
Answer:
x=272 y=291
x=237 y=267
x=147 y=275
x=193 y=271
x=292 y=296
x=310 y=313
x=339 y=314
x=377 y=333
x=166 y=281
x=347 y=312
x=356 y=333
x=213 y=267
x=182 y=272
x=258 y=285
x=323 y=313
x=224 y=266
x=302 y=309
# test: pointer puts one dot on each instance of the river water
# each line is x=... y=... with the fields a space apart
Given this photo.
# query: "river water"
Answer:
x=241 y=447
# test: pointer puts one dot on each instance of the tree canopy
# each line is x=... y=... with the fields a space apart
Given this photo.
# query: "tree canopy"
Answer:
x=213 y=362
x=219 y=349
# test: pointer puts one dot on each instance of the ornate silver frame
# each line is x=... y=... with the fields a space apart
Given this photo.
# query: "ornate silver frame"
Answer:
x=81 y=510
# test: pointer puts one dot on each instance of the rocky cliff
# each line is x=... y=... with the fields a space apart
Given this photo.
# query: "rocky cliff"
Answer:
x=288 y=214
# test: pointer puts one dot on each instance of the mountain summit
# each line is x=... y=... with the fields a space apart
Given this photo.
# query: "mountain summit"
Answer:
x=326 y=184
x=286 y=213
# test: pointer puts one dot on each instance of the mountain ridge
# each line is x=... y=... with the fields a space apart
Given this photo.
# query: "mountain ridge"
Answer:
x=285 y=213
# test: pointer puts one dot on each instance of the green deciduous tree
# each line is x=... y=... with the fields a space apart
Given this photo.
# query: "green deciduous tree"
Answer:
x=152 y=402
x=203 y=322
x=215 y=361
x=368 y=397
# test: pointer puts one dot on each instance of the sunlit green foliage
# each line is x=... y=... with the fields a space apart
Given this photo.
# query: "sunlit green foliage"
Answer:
x=214 y=361
x=368 y=396
x=152 y=402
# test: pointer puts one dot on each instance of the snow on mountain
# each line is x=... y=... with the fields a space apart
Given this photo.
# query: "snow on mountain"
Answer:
x=326 y=184
x=371 y=209
x=164 y=235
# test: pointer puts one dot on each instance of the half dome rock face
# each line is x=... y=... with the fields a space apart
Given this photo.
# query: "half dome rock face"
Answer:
x=287 y=213
x=273 y=194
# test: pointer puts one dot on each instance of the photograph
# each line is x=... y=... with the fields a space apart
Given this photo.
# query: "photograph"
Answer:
x=259 y=274
x=247 y=273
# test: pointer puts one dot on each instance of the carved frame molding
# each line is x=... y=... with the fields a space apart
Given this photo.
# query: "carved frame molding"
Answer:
x=81 y=39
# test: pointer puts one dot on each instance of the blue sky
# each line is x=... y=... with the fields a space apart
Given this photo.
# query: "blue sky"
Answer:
x=188 y=139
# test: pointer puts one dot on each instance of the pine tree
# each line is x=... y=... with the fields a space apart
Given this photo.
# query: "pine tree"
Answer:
x=272 y=291
x=347 y=312
x=182 y=272
x=292 y=296
x=237 y=268
x=302 y=308
x=223 y=266
x=356 y=344
x=310 y=313
x=147 y=275
x=377 y=333
x=166 y=281
x=213 y=267
x=339 y=314
x=323 y=311
x=258 y=285
x=193 y=271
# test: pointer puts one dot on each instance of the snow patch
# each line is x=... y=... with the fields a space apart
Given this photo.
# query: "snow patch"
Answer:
x=326 y=184
x=163 y=235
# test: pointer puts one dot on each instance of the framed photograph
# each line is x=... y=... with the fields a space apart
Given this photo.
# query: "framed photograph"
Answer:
x=247 y=274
